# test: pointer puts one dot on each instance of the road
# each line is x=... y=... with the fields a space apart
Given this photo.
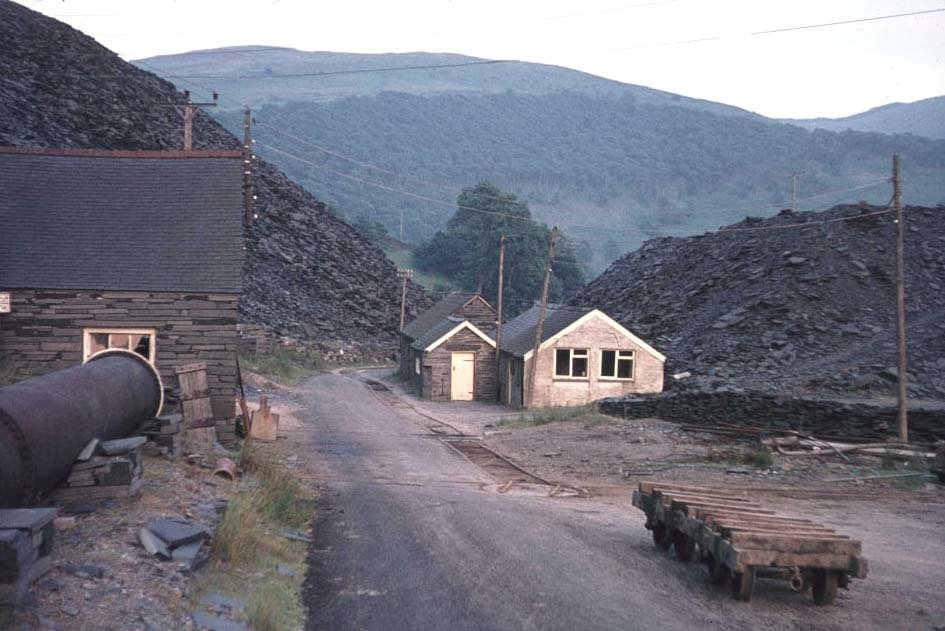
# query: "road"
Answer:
x=410 y=535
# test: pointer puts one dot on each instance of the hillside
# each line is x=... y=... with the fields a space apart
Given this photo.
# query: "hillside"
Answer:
x=610 y=163
x=922 y=118
x=801 y=309
x=308 y=273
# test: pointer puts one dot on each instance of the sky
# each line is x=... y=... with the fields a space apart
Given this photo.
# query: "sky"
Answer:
x=709 y=49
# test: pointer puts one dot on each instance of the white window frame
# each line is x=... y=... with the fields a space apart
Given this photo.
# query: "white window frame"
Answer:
x=571 y=355
x=87 y=340
x=617 y=357
x=416 y=365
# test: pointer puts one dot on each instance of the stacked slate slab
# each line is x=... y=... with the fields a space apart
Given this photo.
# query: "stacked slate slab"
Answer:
x=26 y=541
x=176 y=540
x=164 y=434
x=113 y=471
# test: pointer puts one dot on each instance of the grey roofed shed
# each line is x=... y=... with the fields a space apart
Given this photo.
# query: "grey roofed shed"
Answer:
x=121 y=220
x=436 y=314
x=518 y=335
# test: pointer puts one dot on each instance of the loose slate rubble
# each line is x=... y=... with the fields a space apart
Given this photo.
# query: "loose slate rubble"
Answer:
x=808 y=309
x=104 y=477
x=176 y=540
x=26 y=541
x=166 y=437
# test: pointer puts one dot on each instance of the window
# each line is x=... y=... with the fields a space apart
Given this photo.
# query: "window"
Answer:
x=616 y=364
x=571 y=362
x=140 y=341
x=416 y=365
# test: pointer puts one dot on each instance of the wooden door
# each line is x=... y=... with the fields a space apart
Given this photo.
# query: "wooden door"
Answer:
x=463 y=376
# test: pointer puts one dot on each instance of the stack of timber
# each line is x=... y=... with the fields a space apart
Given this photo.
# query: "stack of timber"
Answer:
x=103 y=471
x=200 y=432
x=26 y=541
x=738 y=538
x=164 y=435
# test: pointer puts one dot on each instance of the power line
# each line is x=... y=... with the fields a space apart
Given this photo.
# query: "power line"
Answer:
x=330 y=73
x=841 y=22
x=772 y=31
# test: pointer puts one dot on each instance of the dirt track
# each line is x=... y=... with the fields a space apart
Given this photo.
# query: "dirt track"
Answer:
x=411 y=535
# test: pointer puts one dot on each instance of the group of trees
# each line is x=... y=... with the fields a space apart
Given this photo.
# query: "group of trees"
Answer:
x=467 y=251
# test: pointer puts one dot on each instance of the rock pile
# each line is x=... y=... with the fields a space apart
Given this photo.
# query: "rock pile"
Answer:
x=307 y=274
x=800 y=303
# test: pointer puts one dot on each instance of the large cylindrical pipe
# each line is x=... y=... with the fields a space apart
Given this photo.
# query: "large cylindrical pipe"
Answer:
x=46 y=421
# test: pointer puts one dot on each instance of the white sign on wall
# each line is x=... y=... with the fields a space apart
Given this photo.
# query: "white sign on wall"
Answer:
x=4 y=302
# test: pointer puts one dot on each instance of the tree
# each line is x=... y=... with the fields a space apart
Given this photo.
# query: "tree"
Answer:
x=467 y=250
x=373 y=231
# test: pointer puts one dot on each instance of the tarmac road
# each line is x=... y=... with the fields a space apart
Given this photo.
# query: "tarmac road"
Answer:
x=410 y=535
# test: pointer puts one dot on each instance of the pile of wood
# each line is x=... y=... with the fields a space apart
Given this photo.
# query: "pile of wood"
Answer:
x=26 y=540
x=165 y=435
x=794 y=444
x=739 y=538
x=106 y=470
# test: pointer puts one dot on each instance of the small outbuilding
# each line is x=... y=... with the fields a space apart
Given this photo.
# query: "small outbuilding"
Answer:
x=445 y=353
x=585 y=355
x=138 y=250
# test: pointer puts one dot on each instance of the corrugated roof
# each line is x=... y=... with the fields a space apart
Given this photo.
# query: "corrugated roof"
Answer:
x=121 y=221
x=518 y=334
x=436 y=314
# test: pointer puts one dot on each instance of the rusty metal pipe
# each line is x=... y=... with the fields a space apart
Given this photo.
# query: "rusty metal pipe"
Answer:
x=46 y=421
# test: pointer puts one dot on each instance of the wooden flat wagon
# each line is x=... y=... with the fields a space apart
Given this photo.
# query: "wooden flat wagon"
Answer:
x=738 y=539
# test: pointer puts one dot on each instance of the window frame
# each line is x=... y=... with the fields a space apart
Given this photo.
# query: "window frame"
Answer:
x=87 y=334
x=571 y=356
x=416 y=365
x=616 y=364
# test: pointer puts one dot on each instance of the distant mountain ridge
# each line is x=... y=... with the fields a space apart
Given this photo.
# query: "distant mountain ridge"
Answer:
x=612 y=164
x=922 y=118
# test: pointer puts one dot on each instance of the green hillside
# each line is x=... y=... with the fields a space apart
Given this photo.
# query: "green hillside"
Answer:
x=612 y=164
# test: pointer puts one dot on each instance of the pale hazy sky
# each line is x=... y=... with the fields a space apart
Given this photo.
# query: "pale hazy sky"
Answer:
x=831 y=71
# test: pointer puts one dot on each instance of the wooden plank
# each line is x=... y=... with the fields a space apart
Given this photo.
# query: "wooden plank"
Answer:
x=691 y=507
x=726 y=526
x=727 y=514
x=740 y=559
x=650 y=486
x=741 y=501
x=795 y=544
x=731 y=531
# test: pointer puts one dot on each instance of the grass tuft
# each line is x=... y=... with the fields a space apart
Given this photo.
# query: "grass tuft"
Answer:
x=272 y=607
x=284 y=365
x=542 y=416
x=237 y=539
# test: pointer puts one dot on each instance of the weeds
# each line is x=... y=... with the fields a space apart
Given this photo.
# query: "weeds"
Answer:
x=760 y=458
x=237 y=539
x=272 y=607
x=284 y=365
x=542 y=416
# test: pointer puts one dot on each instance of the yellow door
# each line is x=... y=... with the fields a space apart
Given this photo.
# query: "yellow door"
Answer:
x=464 y=370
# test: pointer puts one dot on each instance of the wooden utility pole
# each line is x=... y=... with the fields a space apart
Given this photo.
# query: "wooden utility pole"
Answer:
x=900 y=303
x=248 y=170
x=498 y=324
x=404 y=274
x=794 y=192
x=401 y=226
x=189 y=109
x=541 y=316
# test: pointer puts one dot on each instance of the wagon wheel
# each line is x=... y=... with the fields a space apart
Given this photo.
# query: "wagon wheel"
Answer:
x=660 y=536
x=824 y=583
x=684 y=546
x=743 y=584
x=719 y=573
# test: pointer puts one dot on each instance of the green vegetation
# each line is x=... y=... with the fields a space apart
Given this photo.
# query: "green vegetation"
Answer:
x=374 y=231
x=403 y=257
x=610 y=168
x=283 y=365
x=587 y=414
x=467 y=251
x=245 y=553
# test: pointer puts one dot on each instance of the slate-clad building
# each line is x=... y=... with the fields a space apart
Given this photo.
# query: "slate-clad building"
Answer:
x=118 y=249
x=584 y=356
x=445 y=353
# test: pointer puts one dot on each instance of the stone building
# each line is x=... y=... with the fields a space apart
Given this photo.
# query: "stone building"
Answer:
x=139 y=250
x=584 y=356
x=445 y=354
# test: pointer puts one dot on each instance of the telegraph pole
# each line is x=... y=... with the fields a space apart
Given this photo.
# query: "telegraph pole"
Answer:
x=247 y=169
x=900 y=303
x=498 y=324
x=189 y=109
x=794 y=192
x=401 y=226
x=404 y=274
x=541 y=316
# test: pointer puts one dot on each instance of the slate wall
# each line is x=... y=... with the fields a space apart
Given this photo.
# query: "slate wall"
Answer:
x=44 y=330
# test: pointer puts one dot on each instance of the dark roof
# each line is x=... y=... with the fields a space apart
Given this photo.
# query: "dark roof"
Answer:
x=436 y=314
x=151 y=221
x=518 y=334
x=439 y=330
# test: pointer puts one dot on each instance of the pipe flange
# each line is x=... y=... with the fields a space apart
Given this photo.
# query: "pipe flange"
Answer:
x=26 y=457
